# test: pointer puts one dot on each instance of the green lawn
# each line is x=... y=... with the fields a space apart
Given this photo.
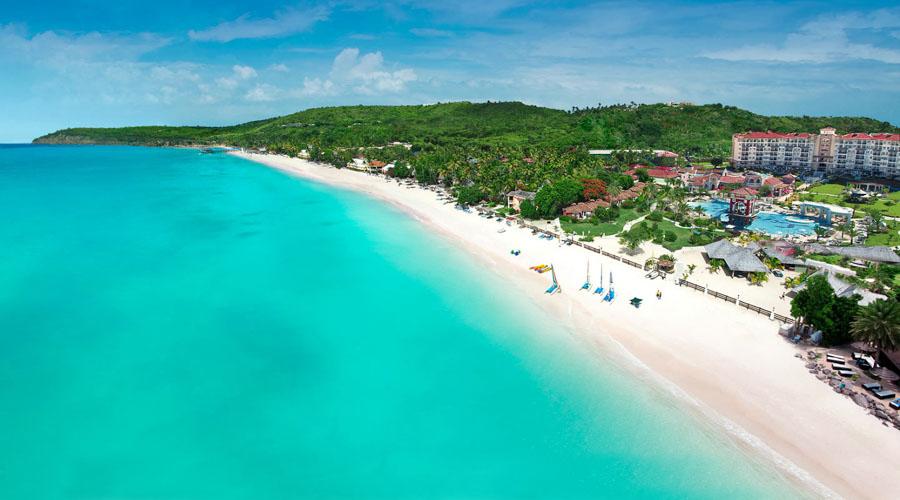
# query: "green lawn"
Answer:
x=890 y=238
x=834 y=189
x=604 y=228
x=683 y=235
x=888 y=205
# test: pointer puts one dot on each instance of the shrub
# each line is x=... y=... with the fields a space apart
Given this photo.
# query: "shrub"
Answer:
x=671 y=236
x=655 y=215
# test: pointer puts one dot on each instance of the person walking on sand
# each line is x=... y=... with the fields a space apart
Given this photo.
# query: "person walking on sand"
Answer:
x=658 y=295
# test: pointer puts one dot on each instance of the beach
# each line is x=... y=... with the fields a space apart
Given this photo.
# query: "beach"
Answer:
x=728 y=364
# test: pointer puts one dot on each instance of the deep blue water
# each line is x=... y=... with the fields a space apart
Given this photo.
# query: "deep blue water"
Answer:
x=177 y=325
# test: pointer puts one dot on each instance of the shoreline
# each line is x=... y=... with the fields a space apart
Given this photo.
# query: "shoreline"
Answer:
x=731 y=367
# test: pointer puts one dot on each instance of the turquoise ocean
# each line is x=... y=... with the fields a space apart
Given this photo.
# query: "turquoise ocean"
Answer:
x=178 y=325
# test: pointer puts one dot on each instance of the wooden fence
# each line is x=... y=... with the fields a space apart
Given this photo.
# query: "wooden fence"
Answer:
x=719 y=295
x=741 y=303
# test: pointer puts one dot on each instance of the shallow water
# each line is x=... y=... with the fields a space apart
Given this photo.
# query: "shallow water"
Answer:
x=764 y=222
x=197 y=326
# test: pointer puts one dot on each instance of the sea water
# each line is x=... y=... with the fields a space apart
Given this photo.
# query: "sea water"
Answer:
x=179 y=325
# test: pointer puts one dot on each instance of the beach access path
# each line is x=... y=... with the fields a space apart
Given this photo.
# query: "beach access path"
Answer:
x=726 y=363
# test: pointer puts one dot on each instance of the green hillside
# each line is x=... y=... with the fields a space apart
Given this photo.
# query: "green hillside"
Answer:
x=700 y=130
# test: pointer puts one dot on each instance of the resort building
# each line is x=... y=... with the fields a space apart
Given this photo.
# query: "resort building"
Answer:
x=586 y=209
x=742 y=206
x=738 y=259
x=827 y=153
x=515 y=198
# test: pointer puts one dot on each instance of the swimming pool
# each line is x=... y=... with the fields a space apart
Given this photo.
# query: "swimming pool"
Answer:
x=765 y=222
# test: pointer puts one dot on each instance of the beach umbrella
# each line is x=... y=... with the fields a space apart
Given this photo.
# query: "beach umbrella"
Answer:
x=885 y=374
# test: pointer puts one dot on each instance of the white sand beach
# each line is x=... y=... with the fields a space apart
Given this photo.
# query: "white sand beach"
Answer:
x=730 y=363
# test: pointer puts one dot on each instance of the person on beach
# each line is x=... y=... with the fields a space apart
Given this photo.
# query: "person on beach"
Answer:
x=658 y=294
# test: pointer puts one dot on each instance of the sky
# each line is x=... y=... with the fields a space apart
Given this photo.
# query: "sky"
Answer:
x=215 y=62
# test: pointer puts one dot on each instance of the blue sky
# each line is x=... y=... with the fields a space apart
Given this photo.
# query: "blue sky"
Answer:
x=112 y=63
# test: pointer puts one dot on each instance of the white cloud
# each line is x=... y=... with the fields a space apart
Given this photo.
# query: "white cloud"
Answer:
x=280 y=68
x=244 y=72
x=823 y=40
x=430 y=33
x=367 y=73
x=61 y=48
x=283 y=23
x=316 y=87
x=262 y=93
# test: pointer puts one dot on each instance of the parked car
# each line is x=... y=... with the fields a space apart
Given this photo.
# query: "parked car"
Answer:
x=778 y=274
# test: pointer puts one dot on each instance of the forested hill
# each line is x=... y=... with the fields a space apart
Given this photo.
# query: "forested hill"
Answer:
x=701 y=130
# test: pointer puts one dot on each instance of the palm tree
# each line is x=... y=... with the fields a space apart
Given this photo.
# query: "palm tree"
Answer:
x=758 y=278
x=715 y=265
x=820 y=231
x=632 y=240
x=878 y=324
x=613 y=190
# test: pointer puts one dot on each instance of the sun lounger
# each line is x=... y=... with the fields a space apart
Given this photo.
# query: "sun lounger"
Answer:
x=586 y=286
x=609 y=296
x=845 y=373
x=872 y=386
x=896 y=404
x=838 y=366
x=835 y=357
x=883 y=394
x=552 y=288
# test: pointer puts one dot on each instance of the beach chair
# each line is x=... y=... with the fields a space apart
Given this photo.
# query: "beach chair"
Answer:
x=883 y=394
x=845 y=373
x=609 y=296
x=598 y=290
x=835 y=357
x=872 y=386
x=838 y=366
x=895 y=404
x=552 y=288
x=636 y=302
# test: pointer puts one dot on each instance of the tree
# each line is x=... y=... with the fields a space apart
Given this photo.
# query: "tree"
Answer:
x=527 y=210
x=552 y=198
x=593 y=189
x=715 y=265
x=759 y=278
x=844 y=310
x=716 y=161
x=878 y=324
x=468 y=195
x=642 y=175
x=632 y=240
x=820 y=231
x=765 y=190
x=613 y=190
x=606 y=214
x=814 y=303
x=401 y=170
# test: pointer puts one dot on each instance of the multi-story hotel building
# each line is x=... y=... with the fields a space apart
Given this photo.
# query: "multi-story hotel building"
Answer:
x=853 y=155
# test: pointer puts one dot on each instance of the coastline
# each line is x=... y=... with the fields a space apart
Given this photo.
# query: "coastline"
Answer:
x=731 y=364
